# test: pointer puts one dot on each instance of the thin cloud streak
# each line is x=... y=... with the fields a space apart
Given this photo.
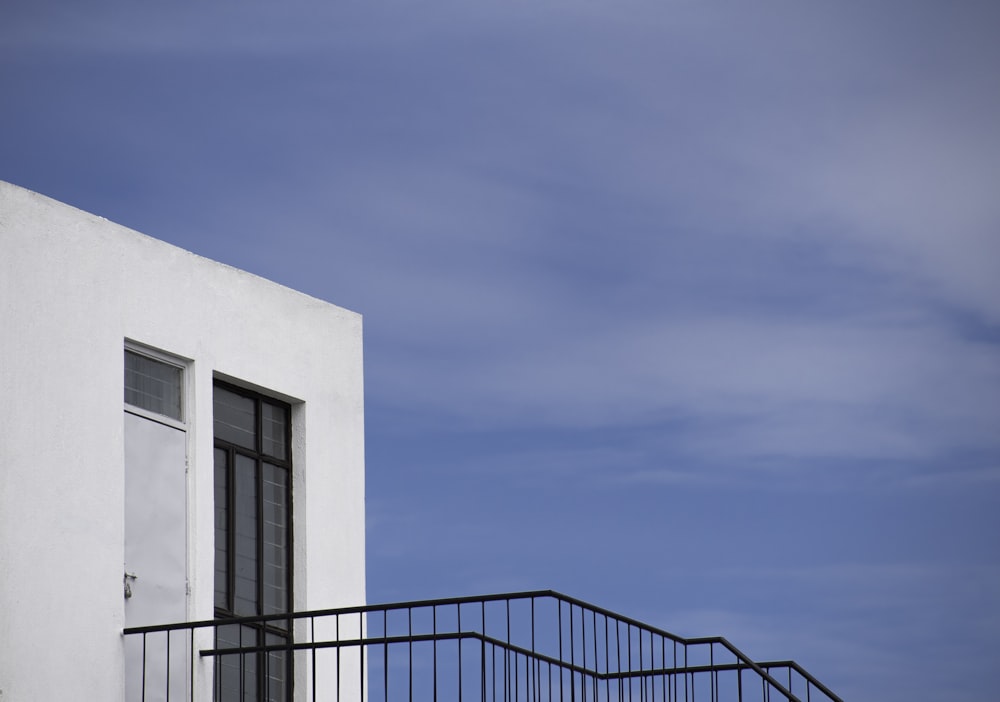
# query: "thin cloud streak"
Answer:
x=799 y=390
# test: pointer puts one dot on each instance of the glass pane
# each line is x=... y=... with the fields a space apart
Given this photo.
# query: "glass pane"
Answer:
x=221 y=530
x=235 y=419
x=275 y=427
x=236 y=674
x=152 y=385
x=276 y=670
x=245 y=542
x=275 y=517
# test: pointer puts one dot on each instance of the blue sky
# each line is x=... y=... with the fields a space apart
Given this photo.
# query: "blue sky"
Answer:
x=689 y=309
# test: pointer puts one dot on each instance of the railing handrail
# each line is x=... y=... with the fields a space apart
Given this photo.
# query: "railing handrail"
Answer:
x=493 y=641
x=767 y=665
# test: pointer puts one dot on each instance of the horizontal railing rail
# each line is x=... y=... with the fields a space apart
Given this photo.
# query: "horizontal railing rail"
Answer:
x=536 y=646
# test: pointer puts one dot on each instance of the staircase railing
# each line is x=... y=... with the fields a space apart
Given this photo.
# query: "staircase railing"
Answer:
x=538 y=646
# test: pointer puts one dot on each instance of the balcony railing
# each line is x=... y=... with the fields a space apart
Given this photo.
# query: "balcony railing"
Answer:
x=532 y=646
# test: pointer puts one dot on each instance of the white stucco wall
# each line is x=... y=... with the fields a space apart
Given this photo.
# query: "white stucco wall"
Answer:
x=73 y=288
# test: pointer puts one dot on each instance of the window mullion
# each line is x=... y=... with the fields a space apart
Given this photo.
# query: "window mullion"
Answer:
x=259 y=421
x=231 y=528
x=262 y=658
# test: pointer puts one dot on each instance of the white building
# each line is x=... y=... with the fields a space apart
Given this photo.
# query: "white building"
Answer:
x=181 y=439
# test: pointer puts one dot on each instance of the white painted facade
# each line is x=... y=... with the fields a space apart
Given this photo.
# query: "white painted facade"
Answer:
x=74 y=289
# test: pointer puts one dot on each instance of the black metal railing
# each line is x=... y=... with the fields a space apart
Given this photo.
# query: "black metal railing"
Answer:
x=533 y=646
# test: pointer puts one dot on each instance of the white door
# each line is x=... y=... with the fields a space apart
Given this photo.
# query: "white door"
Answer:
x=155 y=554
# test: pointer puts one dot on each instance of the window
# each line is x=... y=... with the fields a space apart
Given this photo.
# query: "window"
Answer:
x=153 y=385
x=253 y=572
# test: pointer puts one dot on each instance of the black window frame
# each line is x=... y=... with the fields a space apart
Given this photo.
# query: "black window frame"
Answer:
x=279 y=628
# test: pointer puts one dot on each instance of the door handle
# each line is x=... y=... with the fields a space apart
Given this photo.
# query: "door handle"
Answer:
x=127 y=579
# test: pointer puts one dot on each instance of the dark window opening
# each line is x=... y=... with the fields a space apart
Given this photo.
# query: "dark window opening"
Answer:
x=253 y=537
